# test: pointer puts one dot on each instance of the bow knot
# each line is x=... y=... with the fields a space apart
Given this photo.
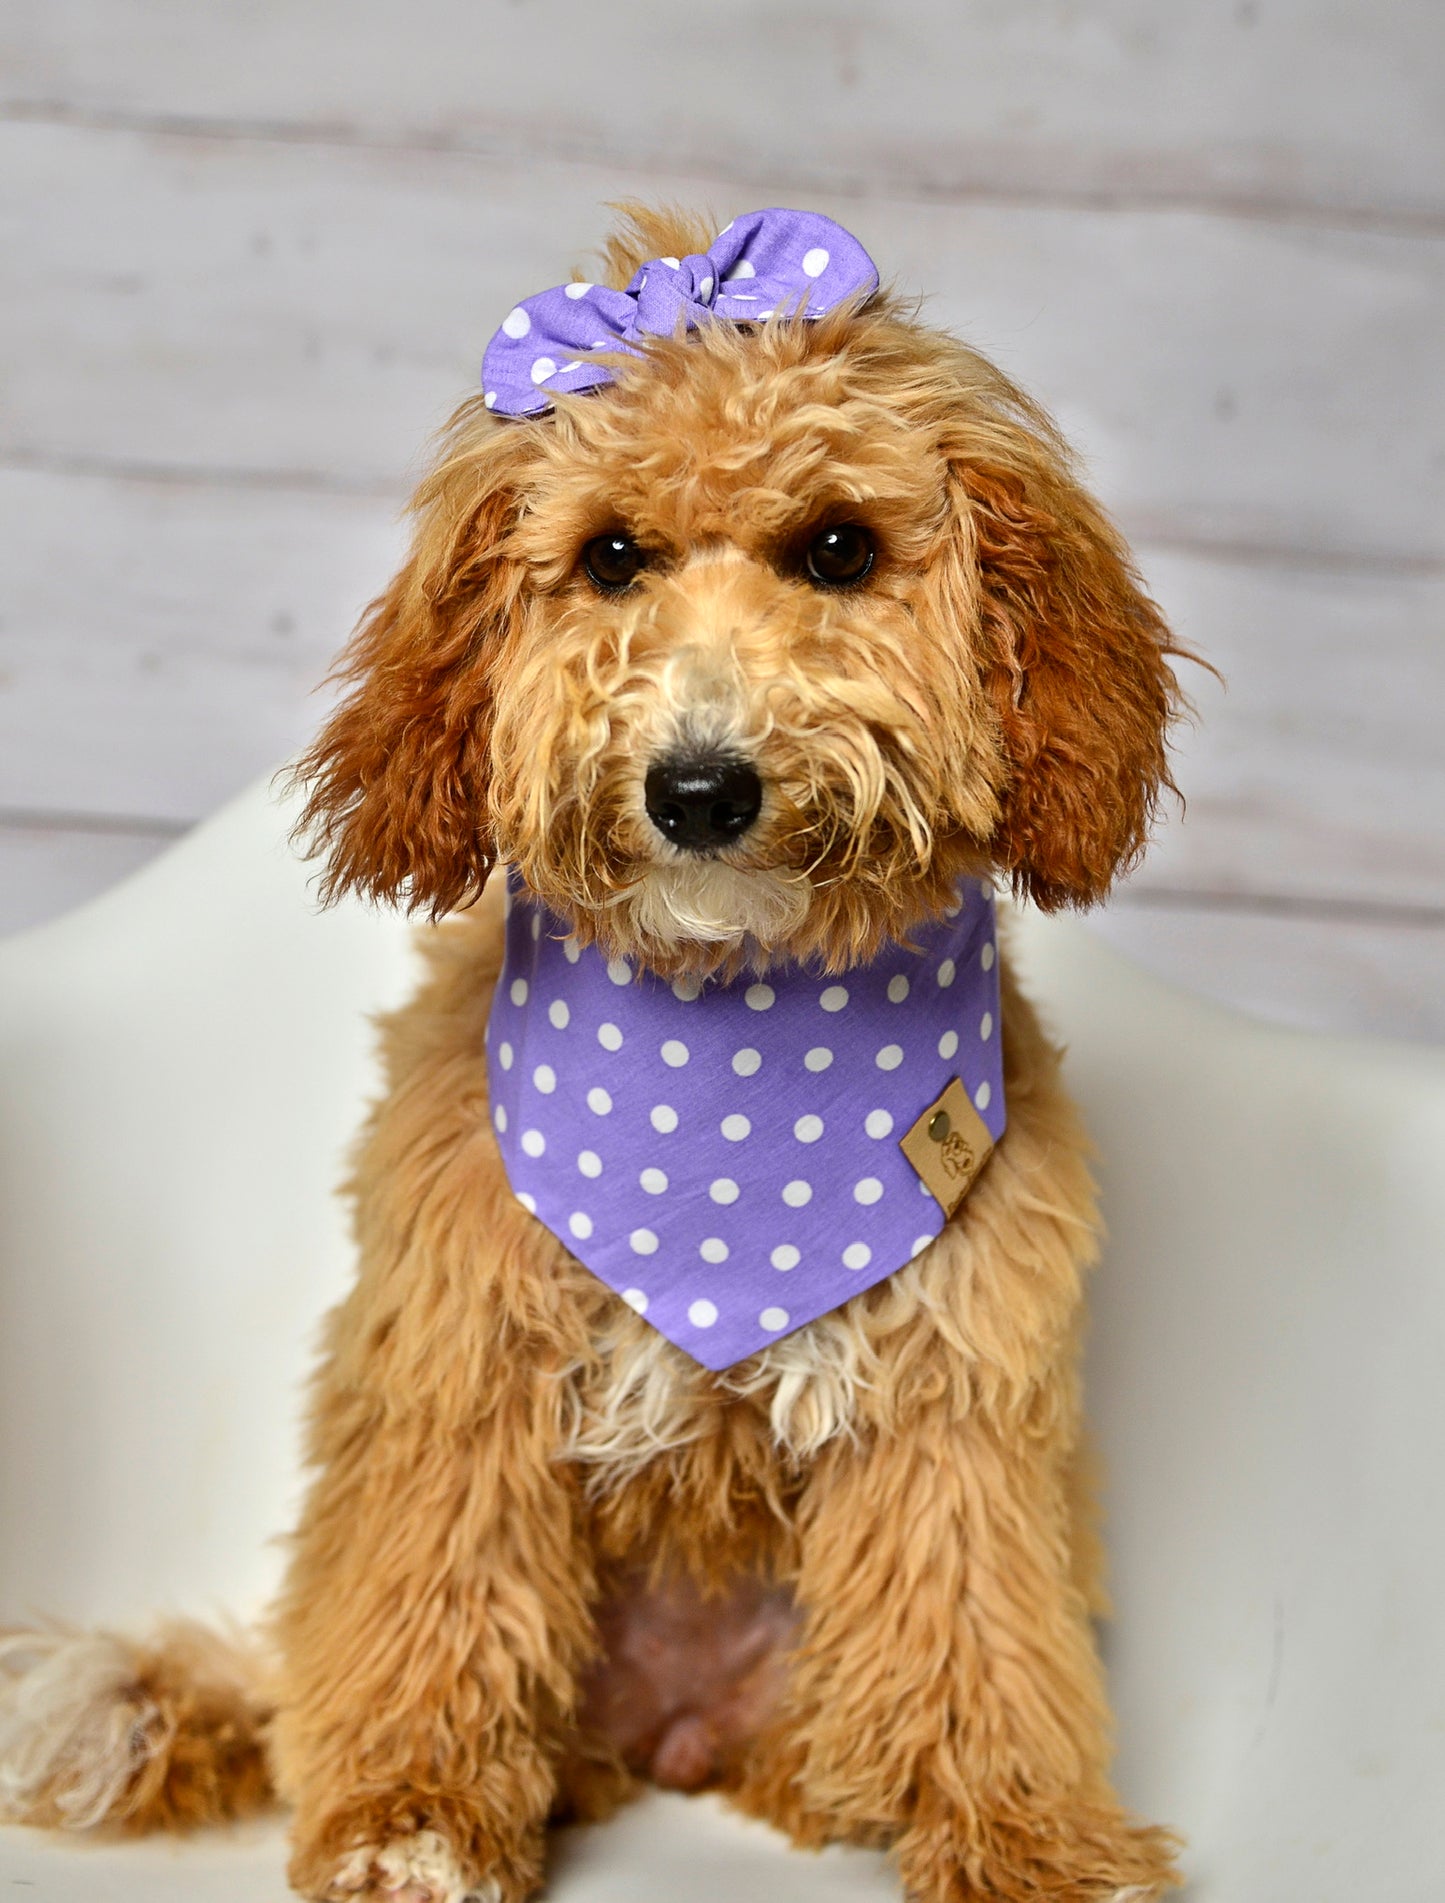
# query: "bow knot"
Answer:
x=767 y=261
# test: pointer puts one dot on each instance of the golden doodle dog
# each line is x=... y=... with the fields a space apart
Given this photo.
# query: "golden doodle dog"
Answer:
x=691 y=1418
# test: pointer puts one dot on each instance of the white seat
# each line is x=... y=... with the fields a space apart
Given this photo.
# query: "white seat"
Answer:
x=181 y=1064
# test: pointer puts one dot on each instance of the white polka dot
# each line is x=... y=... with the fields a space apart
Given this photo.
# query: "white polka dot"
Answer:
x=619 y=971
x=571 y=949
x=516 y=323
x=890 y=1057
x=759 y=997
x=797 y=1193
x=542 y=368
x=609 y=1037
x=773 y=1319
x=819 y=1058
x=574 y=365
x=558 y=1014
x=686 y=989
x=490 y=400
x=643 y=1242
x=598 y=1100
x=985 y=888
x=867 y=1190
x=945 y=974
x=857 y=1255
x=533 y=1142
x=702 y=1314
x=704 y=289
x=746 y=1061
x=674 y=1053
x=834 y=998
x=952 y=911
x=576 y=290
x=948 y=1044
x=724 y=1190
x=897 y=989
x=808 y=1129
x=518 y=991
x=713 y=1249
x=985 y=1026
x=589 y=1162
x=635 y=1298
x=982 y=1095
x=919 y=1246
x=985 y=957
x=785 y=1256
x=529 y=1203
x=878 y=1123
x=674 y=263
x=923 y=1189
x=580 y=1224
x=505 y=1055
x=742 y=269
x=653 y=1181
x=545 y=1078
x=663 y=1119
x=735 y=1128
x=536 y=926
x=815 y=262
x=499 y=1117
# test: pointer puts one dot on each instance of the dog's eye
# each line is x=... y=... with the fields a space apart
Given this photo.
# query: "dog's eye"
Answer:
x=613 y=561
x=839 y=556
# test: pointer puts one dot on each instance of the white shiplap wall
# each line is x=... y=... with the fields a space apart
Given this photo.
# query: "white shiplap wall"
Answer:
x=249 y=255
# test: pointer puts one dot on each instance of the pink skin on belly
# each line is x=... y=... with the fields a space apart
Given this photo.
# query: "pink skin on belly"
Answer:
x=685 y=1681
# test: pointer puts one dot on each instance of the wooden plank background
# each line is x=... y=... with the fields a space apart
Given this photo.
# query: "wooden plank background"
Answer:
x=249 y=256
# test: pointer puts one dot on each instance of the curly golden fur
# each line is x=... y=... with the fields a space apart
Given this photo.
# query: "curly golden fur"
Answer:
x=512 y=1470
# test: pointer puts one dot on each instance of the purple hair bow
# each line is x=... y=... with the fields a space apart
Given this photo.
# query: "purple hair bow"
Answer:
x=764 y=261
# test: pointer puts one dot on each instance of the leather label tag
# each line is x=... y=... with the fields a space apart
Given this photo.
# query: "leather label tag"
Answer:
x=948 y=1146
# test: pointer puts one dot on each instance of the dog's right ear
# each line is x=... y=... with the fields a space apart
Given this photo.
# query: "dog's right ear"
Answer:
x=396 y=780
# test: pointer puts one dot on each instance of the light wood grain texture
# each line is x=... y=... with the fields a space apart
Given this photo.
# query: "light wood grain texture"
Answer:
x=206 y=305
x=161 y=644
x=1329 y=106
x=1316 y=768
x=50 y=869
x=1377 y=978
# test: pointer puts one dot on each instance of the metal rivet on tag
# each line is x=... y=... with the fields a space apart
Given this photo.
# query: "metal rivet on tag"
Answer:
x=939 y=1125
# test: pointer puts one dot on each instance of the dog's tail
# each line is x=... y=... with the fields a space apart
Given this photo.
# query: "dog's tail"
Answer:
x=98 y=1730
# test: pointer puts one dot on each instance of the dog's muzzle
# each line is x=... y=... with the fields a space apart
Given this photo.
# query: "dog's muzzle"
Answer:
x=702 y=801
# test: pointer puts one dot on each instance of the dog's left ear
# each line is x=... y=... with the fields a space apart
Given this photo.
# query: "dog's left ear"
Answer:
x=396 y=782
x=1076 y=661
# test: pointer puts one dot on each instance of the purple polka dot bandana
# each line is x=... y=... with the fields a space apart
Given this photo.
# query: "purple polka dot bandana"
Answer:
x=725 y=1156
x=765 y=261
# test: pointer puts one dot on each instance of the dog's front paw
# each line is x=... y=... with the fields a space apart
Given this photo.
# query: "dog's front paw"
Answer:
x=410 y=1853
x=421 y=1868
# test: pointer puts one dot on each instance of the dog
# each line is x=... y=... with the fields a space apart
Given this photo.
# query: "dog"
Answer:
x=759 y=645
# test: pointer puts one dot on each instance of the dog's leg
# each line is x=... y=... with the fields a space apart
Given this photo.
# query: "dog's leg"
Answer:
x=430 y=1635
x=436 y=1615
x=946 y=1694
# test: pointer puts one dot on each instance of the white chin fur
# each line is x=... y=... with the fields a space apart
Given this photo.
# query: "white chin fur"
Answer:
x=706 y=902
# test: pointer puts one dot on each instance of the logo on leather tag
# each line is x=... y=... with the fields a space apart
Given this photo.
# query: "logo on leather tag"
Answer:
x=948 y=1146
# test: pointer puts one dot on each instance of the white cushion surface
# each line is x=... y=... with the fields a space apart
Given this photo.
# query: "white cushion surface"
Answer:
x=181 y=1065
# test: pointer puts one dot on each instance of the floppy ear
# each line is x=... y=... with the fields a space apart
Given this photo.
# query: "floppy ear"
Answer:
x=396 y=780
x=1076 y=661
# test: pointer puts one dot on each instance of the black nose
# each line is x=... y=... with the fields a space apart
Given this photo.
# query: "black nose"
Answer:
x=702 y=800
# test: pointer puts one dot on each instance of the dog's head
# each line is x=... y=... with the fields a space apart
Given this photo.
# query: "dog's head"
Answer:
x=752 y=652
